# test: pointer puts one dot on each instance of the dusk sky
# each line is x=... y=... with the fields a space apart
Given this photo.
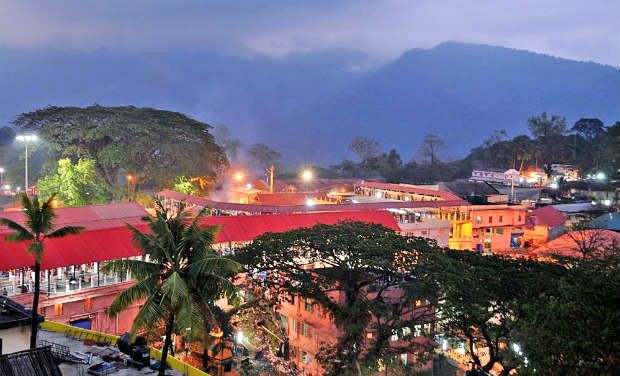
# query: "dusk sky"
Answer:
x=581 y=30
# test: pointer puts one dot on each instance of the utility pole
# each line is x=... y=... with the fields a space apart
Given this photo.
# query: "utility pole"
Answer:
x=271 y=170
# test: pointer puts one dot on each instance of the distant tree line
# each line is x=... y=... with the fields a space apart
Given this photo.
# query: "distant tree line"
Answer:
x=588 y=144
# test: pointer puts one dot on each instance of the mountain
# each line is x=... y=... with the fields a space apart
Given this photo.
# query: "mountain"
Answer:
x=463 y=92
x=310 y=106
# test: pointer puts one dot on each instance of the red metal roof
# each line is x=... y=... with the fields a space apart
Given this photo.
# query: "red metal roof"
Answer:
x=91 y=216
x=548 y=216
x=410 y=189
x=252 y=208
x=101 y=244
x=248 y=227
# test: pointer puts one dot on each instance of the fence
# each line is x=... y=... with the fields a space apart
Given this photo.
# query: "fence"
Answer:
x=111 y=339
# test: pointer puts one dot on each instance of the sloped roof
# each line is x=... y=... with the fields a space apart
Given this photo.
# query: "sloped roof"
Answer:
x=90 y=216
x=548 y=216
x=609 y=221
x=248 y=227
x=253 y=208
x=101 y=244
x=570 y=244
x=410 y=189
x=465 y=187
x=282 y=199
x=37 y=361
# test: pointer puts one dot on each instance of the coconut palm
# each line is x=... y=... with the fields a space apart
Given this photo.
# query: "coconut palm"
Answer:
x=39 y=225
x=181 y=258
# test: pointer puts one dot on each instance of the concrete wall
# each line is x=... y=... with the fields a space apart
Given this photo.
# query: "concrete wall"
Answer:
x=15 y=339
x=90 y=304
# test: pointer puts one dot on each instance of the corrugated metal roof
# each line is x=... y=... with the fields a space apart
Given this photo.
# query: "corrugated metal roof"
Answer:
x=410 y=189
x=102 y=243
x=251 y=208
x=90 y=216
x=548 y=216
x=248 y=227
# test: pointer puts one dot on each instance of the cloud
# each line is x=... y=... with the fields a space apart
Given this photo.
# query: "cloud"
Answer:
x=278 y=28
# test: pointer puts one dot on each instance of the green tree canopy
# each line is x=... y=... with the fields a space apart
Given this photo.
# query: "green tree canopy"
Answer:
x=153 y=145
x=77 y=184
x=362 y=264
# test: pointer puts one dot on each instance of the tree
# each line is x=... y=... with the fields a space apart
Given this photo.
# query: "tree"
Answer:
x=589 y=128
x=574 y=330
x=182 y=266
x=223 y=136
x=263 y=155
x=480 y=299
x=154 y=146
x=362 y=265
x=431 y=147
x=77 y=184
x=39 y=226
x=184 y=185
x=543 y=127
x=365 y=148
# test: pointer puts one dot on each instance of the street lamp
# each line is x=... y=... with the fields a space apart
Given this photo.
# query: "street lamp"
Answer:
x=307 y=175
x=26 y=138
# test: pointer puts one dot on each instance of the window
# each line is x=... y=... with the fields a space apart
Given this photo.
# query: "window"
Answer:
x=519 y=218
x=295 y=326
x=88 y=304
x=308 y=305
x=478 y=219
x=499 y=231
x=488 y=231
x=394 y=336
x=406 y=331
x=58 y=309
x=417 y=330
x=501 y=218
x=403 y=358
x=490 y=219
x=306 y=330
x=304 y=357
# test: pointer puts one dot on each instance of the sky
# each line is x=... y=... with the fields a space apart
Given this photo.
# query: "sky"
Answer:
x=382 y=30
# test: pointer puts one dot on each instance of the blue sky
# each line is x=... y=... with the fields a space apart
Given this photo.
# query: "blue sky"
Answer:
x=382 y=30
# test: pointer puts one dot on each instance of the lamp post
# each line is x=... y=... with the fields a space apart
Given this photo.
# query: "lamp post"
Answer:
x=26 y=138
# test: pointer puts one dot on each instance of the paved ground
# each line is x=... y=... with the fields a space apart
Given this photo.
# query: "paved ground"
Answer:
x=78 y=348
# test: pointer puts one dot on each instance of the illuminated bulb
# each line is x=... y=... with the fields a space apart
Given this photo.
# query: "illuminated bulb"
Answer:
x=307 y=175
x=310 y=202
x=238 y=176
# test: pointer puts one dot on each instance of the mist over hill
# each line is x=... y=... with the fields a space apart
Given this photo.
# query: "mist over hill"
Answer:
x=310 y=106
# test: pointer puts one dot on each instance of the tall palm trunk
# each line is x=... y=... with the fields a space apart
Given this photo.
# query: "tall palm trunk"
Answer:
x=34 y=325
x=167 y=344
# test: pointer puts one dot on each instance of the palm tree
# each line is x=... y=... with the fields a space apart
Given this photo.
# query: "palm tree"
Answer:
x=39 y=225
x=181 y=259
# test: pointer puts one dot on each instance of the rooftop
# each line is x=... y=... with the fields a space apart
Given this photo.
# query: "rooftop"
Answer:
x=13 y=314
x=82 y=354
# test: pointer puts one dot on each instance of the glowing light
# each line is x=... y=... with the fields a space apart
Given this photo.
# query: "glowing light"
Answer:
x=129 y=177
x=26 y=137
x=461 y=350
x=444 y=345
x=239 y=176
x=248 y=186
x=554 y=185
x=378 y=195
x=606 y=202
x=240 y=337
x=517 y=349
x=307 y=175
x=310 y=202
x=601 y=176
x=7 y=187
